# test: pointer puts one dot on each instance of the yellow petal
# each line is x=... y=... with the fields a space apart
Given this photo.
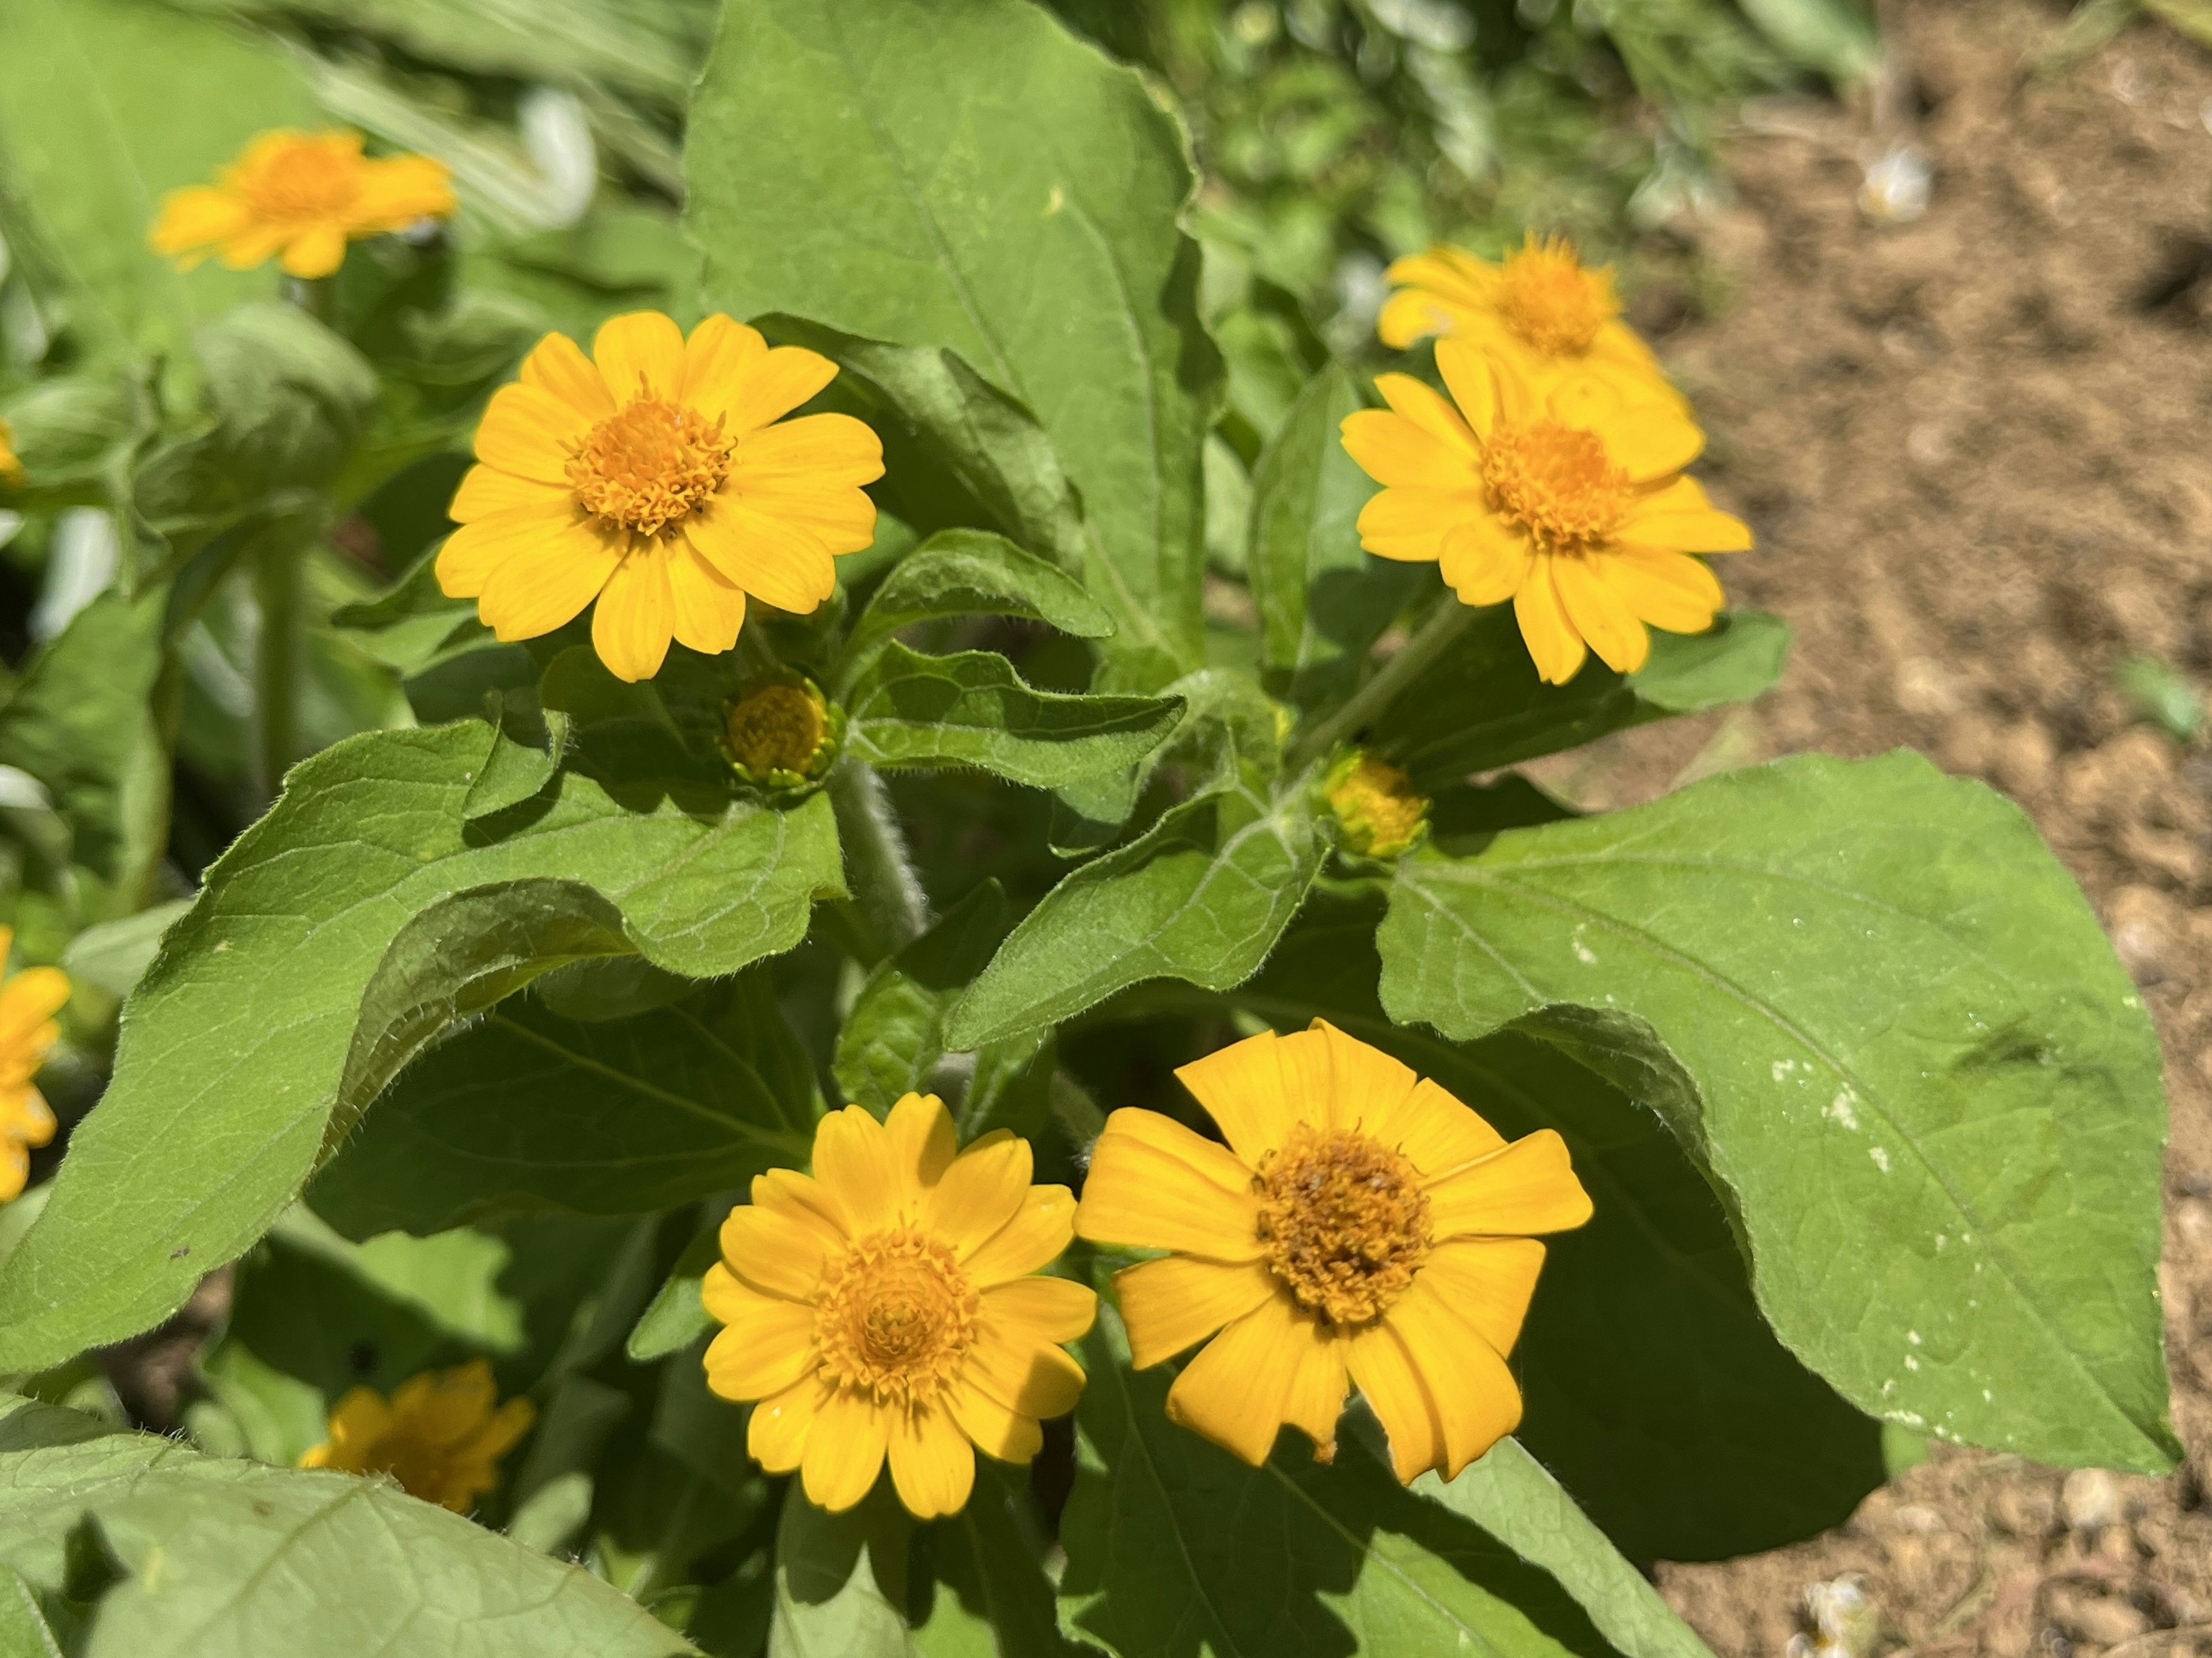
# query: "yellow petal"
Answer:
x=1370 y=1091
x=529 y=432
x=1529 y=1188
x=769 y=1343
x=1410 y=525
x=316 y=252
x=397 y=190
x=1037 y=1233
x=923 y=1143
x=1553 y=645
x=1484 y=559
x=1384 y=1374
x=558 y=364
x=998 y=1431
x=1315 y=1400
x=777 y=1435
x=1309 y=1079
x=980 y=1193
x=842 y=520
x=1026 y=1378
x=29 y=999
x=802 y=1199
x=1650 y=440
x=543 y=587
x=773 y=384
x=772 y=1252
x=1668 y=590
x=1176 y=1301
x=1391 y=449
x=1438 y=1134
x=1155 y=1185
x=706 y=609
x=1488 y=1282
x=845 y=1450
x=1241 y=1086
x=1477 y=1401
x=640 y=354
x=197 y=217
x=1599 y=614
x=1430 y=411
x=486 y=490
x=1046 y=1311
x=717 y=358
x=932 y=1465
x=779 y=564
x=548 y=528
x=1409 y=315
x=1479 y=382
x=1675 y=520
x=815 y=451
x=1236 y=1390
x=857 y=1162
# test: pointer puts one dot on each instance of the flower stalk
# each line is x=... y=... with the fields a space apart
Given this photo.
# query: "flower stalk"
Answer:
x=884 y=885
x=1443 y=626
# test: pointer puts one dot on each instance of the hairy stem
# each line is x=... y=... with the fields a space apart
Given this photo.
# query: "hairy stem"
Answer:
x=883 y=883
x=276 y=650
x=1443 y=625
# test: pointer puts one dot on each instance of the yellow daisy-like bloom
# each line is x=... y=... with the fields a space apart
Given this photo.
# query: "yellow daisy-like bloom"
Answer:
x=11 y=465
x=1560 y=490
x=783 y=733
x=1377 y=813
x=438 y=1437
x=302 y=195
x=1541 y=306
x=28 y=1002
x=886 y=1307
x=1361 y=1228
x=659 y=477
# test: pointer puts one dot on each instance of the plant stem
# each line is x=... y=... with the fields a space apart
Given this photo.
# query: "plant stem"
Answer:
x=318 y=296
x=1443 y=625
x=277 y=648
x=883 y=880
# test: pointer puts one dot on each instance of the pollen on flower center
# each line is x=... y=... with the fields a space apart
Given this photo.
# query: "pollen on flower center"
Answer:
x=896 y=1317
x=303 y=181
x=1558 y=481
x=1344 y=1222
x=648 y=464
x=1547 y=298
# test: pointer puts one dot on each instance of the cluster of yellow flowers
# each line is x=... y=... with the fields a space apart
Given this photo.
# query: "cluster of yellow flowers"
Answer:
x=1553 y=474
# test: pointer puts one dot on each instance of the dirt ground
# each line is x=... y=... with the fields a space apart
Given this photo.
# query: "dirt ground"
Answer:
x=1976 y=448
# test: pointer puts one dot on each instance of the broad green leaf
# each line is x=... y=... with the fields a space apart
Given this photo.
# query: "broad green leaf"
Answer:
x=974 y=572
x=1907 y=1059
x=1834 y=38
x=891 y=1041
x=115 y=954
x=1202 y=896
x=412 y=624
x=1009 y=194
x=24 y=1632
x=82 y=722
x=106 y=106
x=1324 y=601
x=223 y=1557
x=1481 y=705
x=676 y=1317
x=75 y=436
x=1176 y=1547
x=982 y=1591
x=527 y=1110
x=841 y=1579
x=972 y=709
x=1713 y=1439
x=343 y=933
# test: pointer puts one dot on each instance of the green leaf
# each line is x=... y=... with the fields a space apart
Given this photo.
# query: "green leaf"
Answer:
x=412 y=624
x=1324 y=601
x=675 y=1318
x=1175 y=1547
x=1010 y=195
x=105 y=107
x=1202 y=896
x=343 y=933
x=972 y=709
x=1834 y=38
x=893 y=1039
x=1907 y=1060
x=841 y=1579
x=223 y=1556
x=983 y=1592
x=115 y=954
x=974 y=572
x=1481 y=706
x=526 y=1110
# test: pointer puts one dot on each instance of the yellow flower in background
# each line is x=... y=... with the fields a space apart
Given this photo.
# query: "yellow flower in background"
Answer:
x=1540 y=306
x=885 y=1307
x=659 y=477
x=28 y=1002
x=302 y=197
x=1562 y=491
x=11 y=465
x=1377 y=813
x=1361 y=1228
x=440 y=1436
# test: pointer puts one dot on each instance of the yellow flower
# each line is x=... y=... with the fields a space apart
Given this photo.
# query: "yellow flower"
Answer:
x=659 y=477
x=1361 y=1227
x=11 y=465
x=1560 y=490
x=302 y=195
x=783 y=733
x=1541 y=307
x=1377 y=813
x=28 y=1002
x=439 y=1437
x=885 y=1306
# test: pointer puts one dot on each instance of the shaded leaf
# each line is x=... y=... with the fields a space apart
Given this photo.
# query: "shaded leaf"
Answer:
x=974 y=572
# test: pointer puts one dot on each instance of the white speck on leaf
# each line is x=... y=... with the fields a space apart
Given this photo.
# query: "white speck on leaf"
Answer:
x=1881 y=1157
x=1055 y=203
x=1913 y=1336
x=1839 y=1110
x=1911 y=1363
x=1781 y=1068
x=1584 y=953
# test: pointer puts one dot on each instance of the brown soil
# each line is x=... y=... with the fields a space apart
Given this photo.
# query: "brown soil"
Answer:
x=1976 y=449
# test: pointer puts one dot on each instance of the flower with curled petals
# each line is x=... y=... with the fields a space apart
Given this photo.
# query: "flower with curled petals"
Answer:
x=28 y=1002
x=439 y=1436
x=1361 y=1228
x=1559 y=489
x=886 y=1307
x=302 y=197
x=658 y=481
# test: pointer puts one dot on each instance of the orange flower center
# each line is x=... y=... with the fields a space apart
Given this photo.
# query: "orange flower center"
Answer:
x=896 y=1317
x=1558 y=481
x=304 y=181
x=1551 y=301
x=1344 y=1222
x=777 y=728
x=646 y=466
